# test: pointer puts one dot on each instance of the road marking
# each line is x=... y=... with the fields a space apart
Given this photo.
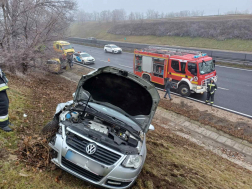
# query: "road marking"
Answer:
x=220 y=107
x=234 y=68
x=203 y=102
x=125 y=66
x=223 y=88
x=215 y=65
x=104 y=61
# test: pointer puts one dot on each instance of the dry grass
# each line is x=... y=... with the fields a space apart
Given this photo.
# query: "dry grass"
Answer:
x=172 y=161
x=99 y=30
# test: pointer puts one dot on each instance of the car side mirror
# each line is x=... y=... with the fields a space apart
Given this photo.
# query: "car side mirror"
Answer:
x=151 y=127
x=73 y=95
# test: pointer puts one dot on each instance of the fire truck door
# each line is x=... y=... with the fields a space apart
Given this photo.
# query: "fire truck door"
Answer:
x=147 y=64
x=158 y=71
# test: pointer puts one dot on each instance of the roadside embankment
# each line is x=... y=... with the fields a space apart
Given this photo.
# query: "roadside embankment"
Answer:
x=173 y=161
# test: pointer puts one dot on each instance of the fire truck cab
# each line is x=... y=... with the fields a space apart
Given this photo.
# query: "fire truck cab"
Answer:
x=190 y=70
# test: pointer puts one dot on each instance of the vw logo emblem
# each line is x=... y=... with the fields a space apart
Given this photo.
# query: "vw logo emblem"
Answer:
x=91 y=148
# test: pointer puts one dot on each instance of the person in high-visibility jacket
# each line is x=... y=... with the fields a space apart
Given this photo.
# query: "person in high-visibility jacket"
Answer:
x=211 y=88
x=4 y=103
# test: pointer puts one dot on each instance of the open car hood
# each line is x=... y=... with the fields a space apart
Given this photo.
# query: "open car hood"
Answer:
x=122 y=91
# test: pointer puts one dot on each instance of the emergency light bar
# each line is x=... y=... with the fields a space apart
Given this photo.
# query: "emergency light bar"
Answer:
x=200 y=55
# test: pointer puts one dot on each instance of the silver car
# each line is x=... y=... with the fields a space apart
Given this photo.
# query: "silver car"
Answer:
x=101 y=133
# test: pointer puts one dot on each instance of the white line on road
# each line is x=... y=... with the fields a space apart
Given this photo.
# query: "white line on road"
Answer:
x=104 y=61
x=125 y=66
x=223 y=88
x=220 y=107
x=215 y=65
x=234 y=68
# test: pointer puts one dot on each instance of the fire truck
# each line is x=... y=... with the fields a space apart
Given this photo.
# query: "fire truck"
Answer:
x=190 y=70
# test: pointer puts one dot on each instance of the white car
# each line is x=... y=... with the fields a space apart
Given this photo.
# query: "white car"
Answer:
x=112 y=48
x=84 y=58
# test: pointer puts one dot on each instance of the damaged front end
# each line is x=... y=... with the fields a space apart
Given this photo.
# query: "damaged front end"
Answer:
x=99 y=139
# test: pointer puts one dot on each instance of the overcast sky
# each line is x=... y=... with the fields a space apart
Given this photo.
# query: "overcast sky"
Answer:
x=210 y=6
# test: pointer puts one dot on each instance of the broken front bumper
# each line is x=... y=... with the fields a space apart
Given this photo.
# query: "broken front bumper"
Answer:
x=102 y=169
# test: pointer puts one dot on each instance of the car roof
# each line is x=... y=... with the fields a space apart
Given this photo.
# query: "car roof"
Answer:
x=63 y=42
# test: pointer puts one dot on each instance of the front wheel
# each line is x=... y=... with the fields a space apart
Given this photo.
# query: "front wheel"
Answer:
x=105 y=50
x=184 y=90
x=83 y=62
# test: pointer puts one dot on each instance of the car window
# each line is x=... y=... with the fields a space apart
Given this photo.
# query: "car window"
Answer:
x=65 y=47
x=113 y=46
x=175 y=65
x=183 y=66
x=85 y=55
x=192 y=68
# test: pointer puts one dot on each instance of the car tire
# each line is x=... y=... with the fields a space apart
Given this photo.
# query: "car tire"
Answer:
x=50 y=127
x=83 y=62
x=113 y=52
x=105 y=50
x=184 y=90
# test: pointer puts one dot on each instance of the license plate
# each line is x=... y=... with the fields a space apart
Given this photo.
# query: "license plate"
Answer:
x=84 y=163
x=76 y=159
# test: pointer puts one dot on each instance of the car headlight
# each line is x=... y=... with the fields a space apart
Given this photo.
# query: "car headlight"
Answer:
x=133 y=161
x=199 y=87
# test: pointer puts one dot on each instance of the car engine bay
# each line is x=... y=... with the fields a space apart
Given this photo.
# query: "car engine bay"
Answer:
x=101 y=128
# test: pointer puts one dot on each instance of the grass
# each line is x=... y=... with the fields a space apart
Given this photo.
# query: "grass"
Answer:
x=172 y=161
x=99 y=31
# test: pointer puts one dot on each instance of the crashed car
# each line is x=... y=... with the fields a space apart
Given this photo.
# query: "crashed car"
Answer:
x=101 y=133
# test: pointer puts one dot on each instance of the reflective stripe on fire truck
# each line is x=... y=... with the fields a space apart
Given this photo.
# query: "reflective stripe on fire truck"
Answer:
x=185 y=76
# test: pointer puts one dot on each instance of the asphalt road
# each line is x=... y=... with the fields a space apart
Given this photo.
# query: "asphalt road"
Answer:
x=234 y=84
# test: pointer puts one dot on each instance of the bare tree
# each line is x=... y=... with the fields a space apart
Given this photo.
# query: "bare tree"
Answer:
x=118 y=15
x=28 y=28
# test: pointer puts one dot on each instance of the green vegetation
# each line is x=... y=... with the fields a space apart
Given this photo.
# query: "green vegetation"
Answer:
x=99 y=31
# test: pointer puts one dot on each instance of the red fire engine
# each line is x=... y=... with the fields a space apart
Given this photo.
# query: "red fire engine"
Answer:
x=190 y=70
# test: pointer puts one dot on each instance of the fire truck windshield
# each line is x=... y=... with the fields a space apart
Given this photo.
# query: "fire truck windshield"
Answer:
x=206 y=67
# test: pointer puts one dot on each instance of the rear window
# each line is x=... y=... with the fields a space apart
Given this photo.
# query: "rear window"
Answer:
x=175 y=65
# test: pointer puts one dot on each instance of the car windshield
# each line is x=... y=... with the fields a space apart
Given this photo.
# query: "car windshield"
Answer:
x=65 y=47
x=85 y=55
x=113 y=46
x=206 y=67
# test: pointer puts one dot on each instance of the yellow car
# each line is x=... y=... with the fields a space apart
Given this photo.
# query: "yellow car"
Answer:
x=54 y=65
x=63 y=47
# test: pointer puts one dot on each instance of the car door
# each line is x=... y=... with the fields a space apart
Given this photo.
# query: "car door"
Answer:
x=109 y=48
x=77 y=57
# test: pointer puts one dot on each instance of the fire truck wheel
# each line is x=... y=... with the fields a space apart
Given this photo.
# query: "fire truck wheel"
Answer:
x=184 y=90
